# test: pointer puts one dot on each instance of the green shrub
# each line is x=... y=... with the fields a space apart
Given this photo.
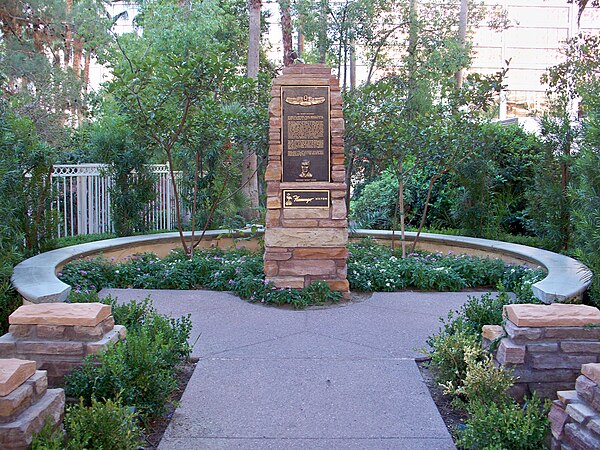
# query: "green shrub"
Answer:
x=505 y=426
x=483 y=381
x=139 y=370
x=100 y=426
x=449 y=354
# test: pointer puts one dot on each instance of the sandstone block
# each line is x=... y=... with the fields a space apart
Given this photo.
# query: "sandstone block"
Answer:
x=67 y=314
x=7 y=346
x=492 y=332
x=580 y=347
x=304 y=237
x=585 y=388
x=274 y=202
x=302 y=267
x=112 y=337
x=275 y=106
x=51 y=332
x=338 y=193
x=560 y=361
x=592 y=371
x=580 y=412
x=320 y=253
x=579 y=438
x=121 y=330
x=594 y=425
x=273 y=171
x=548 y=390
x=336 y=112
x=50 y=348
x=88 y=333
x=15 y=403
x=274 y=137
x=277 y=256
x=339 y=285
x=510 y=353
x=522 y=335
x=338 y=159
x=558 y=417
x=108 y=324
x=342 y=272
x=337 y=123
x=554 y=315
x=306 y=213
x=300 y=223
x=337 y=141
x=579 y=333
x=330 y=223
x=337 y=176
x=336 y=99
x=271 y=268
x=568 y=397
x=275 y=149
x=544 y=347
x=39 y=381
x=287 y=282
x=13 y=373
x=21 y=331
x=527 y=374
x=275 y=122
x=18 y=434
x=338 y=209
x=300 y=80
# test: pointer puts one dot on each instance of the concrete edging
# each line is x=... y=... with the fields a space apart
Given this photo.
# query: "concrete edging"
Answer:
x=35 y=278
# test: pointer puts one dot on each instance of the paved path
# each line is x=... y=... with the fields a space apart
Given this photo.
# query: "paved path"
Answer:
x=342 y=377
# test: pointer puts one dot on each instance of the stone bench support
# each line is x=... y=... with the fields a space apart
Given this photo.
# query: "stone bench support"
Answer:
x=545 y=345
x=58 y=336
x=26 y=403
x=575 y=416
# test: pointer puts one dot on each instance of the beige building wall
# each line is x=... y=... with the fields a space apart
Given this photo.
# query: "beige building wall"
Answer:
x=538 y=29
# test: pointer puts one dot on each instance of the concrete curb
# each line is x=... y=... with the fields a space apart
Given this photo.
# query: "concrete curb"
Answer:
x=35 y=278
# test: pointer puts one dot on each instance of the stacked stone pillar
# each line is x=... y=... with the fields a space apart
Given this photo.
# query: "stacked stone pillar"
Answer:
x=306 y=224
x=546 y=345
x=26 y=403
x=58 y=336
x=575 y=416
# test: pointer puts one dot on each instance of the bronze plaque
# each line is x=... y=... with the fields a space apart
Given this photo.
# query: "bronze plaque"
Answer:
x=306 y=198
x=305 y=114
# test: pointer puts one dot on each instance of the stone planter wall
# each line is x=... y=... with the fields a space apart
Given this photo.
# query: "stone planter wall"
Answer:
x=545 y=345
x=58 y=336
x=575 y=416
x=26 y=403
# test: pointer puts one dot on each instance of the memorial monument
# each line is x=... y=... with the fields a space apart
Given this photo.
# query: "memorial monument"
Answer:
x=306 y=225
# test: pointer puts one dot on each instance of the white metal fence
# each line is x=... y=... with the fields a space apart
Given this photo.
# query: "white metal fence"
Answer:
x=82 y=199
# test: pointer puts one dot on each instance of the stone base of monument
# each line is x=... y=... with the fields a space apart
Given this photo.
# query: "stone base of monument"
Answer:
x=545 y=345
x=58 y=336
x=26 y=403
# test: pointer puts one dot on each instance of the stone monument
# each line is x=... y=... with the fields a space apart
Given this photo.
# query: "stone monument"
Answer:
x=306 y=225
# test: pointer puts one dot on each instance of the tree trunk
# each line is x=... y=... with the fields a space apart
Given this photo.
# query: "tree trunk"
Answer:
x=352 y=66
x=286 y=31
x=322 y=34
x=249 y=163
x=462 y=39
x=413 y=38
x=68 y=32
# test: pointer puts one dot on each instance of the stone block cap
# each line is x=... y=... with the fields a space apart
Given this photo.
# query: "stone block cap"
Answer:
x=492 y=332
x=65 y=314
x=592 y=371
x=554 y=315
x=13 y=373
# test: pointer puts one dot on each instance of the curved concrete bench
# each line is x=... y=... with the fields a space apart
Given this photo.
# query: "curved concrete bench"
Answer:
x=35 y=278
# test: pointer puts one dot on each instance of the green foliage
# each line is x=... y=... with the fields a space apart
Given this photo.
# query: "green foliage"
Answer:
x=374 y=268
x=373 y=207
x=99 y=426
x=140 y=370
x=111 y=141
x=102 y=425
x=506 y=426
x=483 y=381
x=449 y=354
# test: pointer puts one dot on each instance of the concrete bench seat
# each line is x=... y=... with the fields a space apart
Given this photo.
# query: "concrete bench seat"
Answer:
x=36 y=281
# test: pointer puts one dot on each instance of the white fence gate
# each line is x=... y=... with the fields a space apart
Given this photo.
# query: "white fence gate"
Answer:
x=82 y=199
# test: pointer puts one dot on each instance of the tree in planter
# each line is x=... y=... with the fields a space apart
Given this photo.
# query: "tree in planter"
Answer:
x=166 y=78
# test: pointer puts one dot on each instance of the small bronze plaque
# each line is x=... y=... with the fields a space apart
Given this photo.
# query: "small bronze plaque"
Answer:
x=306 y=198
x=305 y=114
